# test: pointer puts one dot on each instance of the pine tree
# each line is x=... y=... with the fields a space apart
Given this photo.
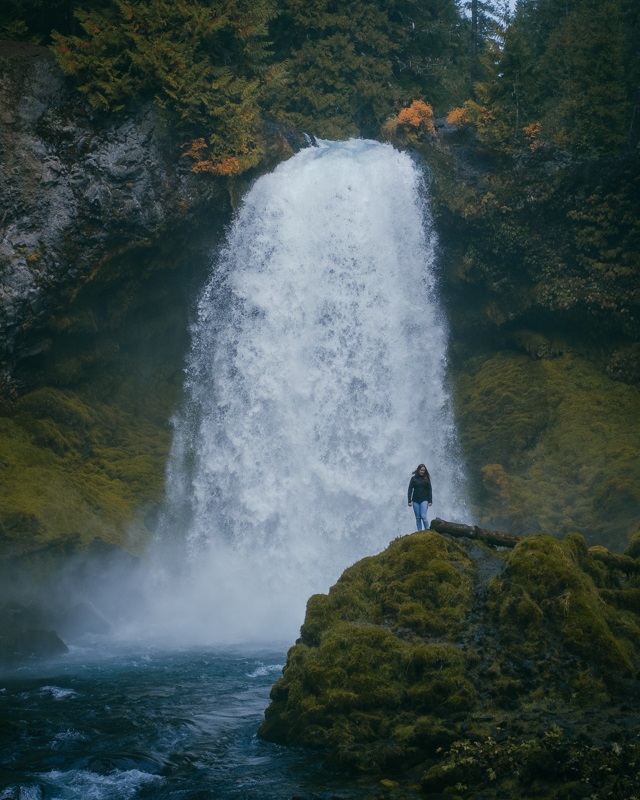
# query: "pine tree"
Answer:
x=353 y=61
x=586 y=107
x=561 y=76
x=206 y=62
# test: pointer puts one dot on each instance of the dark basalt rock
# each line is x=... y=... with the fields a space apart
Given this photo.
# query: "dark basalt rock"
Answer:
x=23 y=635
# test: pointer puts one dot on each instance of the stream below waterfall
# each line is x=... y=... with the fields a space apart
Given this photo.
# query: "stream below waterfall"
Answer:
x=113 y=721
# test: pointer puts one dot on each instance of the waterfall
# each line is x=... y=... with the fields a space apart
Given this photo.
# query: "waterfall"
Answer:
x=314 y=386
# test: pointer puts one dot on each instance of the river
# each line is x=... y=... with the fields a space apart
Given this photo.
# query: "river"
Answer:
x=117 y=721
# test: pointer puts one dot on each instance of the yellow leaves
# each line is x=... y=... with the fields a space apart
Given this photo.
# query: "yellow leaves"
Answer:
x=532 y=132
x=206 y=161
x=419 y=116
x=471 y=113
x=227 y=166
x=458 y=116
x=196 y=146
x=412 y=123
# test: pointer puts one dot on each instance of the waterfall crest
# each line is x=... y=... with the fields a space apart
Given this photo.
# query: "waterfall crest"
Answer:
x=315 y=385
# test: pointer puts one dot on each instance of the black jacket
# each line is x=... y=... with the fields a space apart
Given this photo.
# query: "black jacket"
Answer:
x=419 y=489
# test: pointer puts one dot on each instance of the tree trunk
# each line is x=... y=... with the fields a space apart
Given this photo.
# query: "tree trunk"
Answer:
x=499 y=538
x=624 y=563
x=474 y=29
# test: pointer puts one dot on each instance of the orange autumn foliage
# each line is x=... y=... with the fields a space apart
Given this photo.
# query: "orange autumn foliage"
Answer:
x=197 y=151
x=228 y=166
x=532 y=132
x=458 y=116
x=419 y=115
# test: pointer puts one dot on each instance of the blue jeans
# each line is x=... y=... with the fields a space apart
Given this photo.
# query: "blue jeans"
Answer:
x=420 y=510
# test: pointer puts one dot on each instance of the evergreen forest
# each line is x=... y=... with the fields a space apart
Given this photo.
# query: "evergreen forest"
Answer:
x=550 y=75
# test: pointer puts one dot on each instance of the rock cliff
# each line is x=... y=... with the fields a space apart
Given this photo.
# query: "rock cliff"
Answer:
x=105 y=234
x=79 y=191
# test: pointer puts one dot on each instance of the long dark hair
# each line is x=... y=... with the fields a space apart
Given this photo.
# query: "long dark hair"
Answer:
x=426 y=475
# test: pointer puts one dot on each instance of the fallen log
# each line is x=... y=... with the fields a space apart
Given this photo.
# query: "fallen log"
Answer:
x=624 y=563
x=499 y=538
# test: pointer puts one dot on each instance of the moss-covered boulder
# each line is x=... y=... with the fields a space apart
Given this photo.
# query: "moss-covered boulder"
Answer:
x=25 y=633
x=448 y=667
x=378 y=657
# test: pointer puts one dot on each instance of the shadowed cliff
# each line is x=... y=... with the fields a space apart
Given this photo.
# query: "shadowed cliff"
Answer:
x=105 y=236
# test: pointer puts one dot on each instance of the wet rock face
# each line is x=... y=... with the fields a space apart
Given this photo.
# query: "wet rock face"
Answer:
x=77 y=187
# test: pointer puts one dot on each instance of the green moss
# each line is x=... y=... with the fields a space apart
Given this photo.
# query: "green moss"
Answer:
x=417 y=586
x=367 y=663
x=544 y=592
x=552 y=446
x=74 y=470
x=633 y=548
x=478 y=703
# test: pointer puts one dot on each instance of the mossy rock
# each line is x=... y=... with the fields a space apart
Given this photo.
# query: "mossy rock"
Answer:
x=73 y=469
x=551 y=446
x=376 y=654
x=424 y=658
x=548 y=591
x=416 y=587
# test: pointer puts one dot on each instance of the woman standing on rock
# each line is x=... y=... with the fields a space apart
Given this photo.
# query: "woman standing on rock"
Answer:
x=420 y=495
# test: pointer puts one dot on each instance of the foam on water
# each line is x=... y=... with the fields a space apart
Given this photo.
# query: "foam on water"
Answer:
x=315 y=385
x=87 y=785
x=58 y=693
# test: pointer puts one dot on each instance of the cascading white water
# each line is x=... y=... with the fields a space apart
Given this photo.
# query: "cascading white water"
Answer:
x=315 y=385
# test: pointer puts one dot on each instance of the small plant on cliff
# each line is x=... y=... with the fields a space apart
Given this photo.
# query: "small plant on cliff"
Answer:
x=529 y=767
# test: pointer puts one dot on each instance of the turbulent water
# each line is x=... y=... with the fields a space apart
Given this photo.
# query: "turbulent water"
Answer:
x=116 y=722
x=315 y=385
